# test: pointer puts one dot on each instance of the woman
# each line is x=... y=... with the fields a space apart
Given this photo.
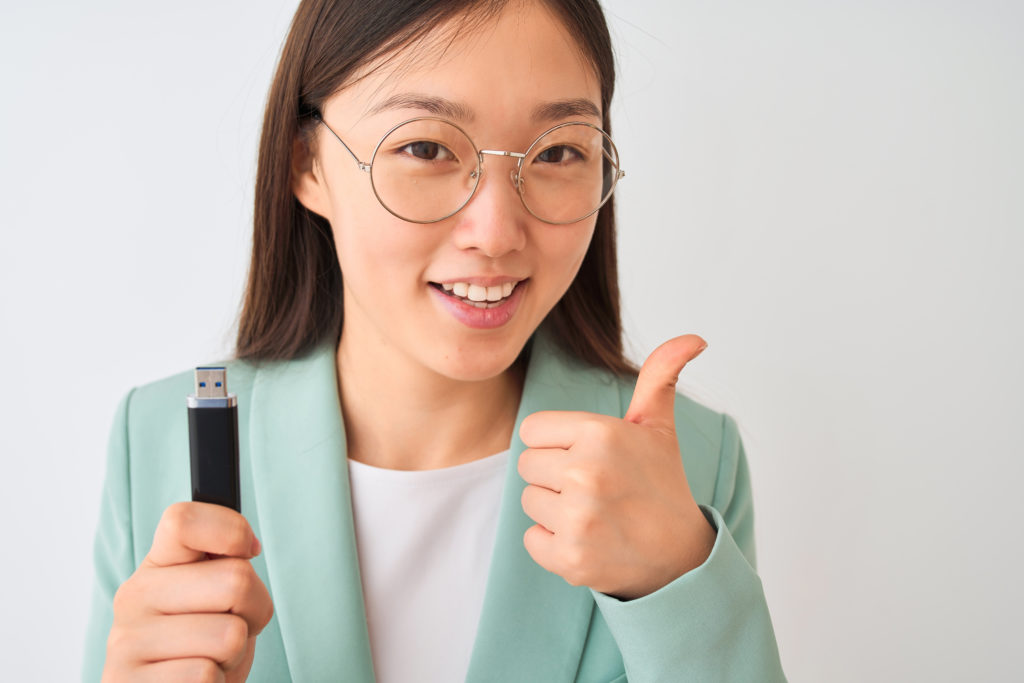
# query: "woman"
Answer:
x=430 y=370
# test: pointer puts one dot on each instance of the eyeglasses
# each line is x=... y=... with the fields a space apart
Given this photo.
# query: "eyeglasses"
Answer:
x=427 y=169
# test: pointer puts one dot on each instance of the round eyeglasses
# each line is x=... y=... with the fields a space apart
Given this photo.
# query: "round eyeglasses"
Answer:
x=427 y=169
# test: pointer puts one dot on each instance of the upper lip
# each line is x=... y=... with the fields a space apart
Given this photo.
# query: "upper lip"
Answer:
x=488 y=281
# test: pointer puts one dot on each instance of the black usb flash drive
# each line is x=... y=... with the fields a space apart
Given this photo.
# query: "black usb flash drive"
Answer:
x=213 y=440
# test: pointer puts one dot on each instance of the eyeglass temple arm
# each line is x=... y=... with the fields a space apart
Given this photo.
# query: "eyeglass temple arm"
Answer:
x=363 y=166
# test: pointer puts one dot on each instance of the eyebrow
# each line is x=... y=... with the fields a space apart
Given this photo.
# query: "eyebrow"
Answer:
x=563 y=109
x=440 y=106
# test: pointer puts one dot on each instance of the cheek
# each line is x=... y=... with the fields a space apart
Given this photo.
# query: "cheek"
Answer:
x=378 y=253
x=361 y=233
x=564 y=248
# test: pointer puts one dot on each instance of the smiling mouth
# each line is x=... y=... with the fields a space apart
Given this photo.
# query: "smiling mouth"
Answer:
x=478 y=295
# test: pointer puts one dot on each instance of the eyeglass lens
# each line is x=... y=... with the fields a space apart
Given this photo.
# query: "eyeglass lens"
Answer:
x=426 y=170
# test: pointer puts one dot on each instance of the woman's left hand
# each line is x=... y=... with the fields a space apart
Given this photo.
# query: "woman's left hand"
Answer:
x=614 y=510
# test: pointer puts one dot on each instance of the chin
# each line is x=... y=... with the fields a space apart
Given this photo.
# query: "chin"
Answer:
x=484 y=362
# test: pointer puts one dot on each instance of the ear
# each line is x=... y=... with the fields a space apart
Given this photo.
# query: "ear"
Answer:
x=307 y=182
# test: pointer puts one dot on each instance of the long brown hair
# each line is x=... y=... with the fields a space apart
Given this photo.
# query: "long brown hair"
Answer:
x=293 y=300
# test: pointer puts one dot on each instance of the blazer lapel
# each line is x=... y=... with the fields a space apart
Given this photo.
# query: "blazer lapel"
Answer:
x=304 y=506
x=534 y=624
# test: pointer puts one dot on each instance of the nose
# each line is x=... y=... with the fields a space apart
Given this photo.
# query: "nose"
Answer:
x=495 y=220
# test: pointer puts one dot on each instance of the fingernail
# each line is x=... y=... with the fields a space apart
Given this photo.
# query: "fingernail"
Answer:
x=701 y=350
x=256 y=547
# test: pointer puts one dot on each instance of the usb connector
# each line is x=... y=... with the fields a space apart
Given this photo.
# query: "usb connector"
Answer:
x=211 y=383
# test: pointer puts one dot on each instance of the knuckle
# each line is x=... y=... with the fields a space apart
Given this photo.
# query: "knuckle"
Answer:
x=120 y=640
x=233 y=637
x=533 y=541
x=582 y=478
x=526 y=497
x=529 y=500
x=203 y=671
x=526 y=427
x=124 y=598
x=175 y=519
x=238 y=576
x=529 y=539
x=238 y=535
x=600 y=481
x=594 y=478
x=575 y=565
x=523 y=465
x=600 y=431
x=582 y=521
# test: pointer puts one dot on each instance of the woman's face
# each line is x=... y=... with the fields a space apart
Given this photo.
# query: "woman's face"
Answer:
x=497 y=82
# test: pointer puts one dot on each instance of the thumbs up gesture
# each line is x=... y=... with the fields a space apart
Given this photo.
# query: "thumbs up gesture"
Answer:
x=609 y=496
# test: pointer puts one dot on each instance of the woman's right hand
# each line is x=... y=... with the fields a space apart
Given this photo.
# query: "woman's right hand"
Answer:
x=193 y=608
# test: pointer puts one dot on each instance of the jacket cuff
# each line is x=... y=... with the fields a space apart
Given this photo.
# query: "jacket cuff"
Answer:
x=714 y=618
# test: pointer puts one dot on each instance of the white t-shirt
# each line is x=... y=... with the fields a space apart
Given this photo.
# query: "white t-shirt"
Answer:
x=425 y=540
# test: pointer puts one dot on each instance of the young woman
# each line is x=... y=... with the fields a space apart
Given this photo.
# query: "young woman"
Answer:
x=452 y=471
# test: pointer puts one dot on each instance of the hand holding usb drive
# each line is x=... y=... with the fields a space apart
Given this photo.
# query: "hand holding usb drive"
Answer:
x=213 y=440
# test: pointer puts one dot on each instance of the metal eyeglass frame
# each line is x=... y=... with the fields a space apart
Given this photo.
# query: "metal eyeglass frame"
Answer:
x=516 y=174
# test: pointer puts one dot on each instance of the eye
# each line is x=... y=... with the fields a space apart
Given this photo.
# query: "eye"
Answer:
x=427 y=151
x=559 y=154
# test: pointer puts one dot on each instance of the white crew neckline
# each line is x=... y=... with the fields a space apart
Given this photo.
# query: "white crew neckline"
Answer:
x=473 y=468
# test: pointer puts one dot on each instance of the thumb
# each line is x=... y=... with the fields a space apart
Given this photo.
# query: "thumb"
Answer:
x=655 y=393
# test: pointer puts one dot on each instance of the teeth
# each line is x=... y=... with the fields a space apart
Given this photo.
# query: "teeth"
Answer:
x=479 y=295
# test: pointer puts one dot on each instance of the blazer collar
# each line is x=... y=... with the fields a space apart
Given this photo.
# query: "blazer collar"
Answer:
x=533 y=624
x=304 y=505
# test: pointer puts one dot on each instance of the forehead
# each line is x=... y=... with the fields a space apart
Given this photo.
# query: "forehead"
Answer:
x=513 y=64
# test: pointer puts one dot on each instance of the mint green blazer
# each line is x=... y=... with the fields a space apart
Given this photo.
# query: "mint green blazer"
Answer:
x=711 y=624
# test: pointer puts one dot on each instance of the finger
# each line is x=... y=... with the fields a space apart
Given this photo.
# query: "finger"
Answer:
x=244 y=663
x=191 y=669
x=555 y=428
x=244 y=658
x=540 y=544
x=542 y=506
x=220 y=637
x=228 y=585
x=655 y=393
x=188 y=532
x=543 y=467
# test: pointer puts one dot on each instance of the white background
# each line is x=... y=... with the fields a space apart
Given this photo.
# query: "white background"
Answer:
x=831 y=193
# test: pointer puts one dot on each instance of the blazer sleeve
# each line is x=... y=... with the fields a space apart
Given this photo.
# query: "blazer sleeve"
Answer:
x=113 y=549
x=712 y=623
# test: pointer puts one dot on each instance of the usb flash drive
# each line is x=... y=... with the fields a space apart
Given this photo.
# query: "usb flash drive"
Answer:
x=213 y=440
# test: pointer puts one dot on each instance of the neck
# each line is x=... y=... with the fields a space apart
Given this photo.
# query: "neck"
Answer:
x=409 y=417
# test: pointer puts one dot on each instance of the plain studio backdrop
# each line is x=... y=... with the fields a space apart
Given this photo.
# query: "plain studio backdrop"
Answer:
x=831 y=193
